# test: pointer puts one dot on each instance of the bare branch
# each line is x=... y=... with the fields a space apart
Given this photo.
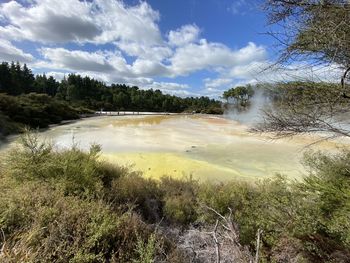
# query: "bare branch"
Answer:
x=217 y=244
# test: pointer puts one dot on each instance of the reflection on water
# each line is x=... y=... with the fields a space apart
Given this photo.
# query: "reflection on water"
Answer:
x=139 y=121
x=207 y=147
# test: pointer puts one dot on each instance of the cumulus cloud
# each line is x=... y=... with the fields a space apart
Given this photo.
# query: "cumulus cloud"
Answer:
x=116 y=42
x=184 y=35
x=127 y=23
x=206 y=55
x=8 y=52
x=267 y=71
x=77 y=60
x=49 y=21
x=216 y=83
x=57 y=75
x=149 y=68
x=99 y=21
x=168 y=86
x=173 y=88
x=140 y=50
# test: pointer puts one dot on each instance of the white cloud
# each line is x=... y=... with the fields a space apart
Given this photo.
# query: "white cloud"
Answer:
x=136 y=54
x=187 y=59
x=266 y=71
x=206 y=55
x=172 y=88
x=184 y=35
x=216 y=83
x=49 y=21
x=57 y=75
x=149 y=68
x=78 y=60
x=168 y=86
x=99 y=21
x=133 y=30
x=156 y=52
x=8 y=52
x=126 y=23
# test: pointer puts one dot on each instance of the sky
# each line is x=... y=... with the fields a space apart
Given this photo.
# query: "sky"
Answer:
x=182 y=47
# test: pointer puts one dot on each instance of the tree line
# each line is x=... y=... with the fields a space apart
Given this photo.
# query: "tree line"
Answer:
x=75 y=89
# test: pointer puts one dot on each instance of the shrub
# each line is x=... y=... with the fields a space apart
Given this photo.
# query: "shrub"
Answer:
x=73 y=171
x=35 y=111
x=142 y=194
x=42 y=225
x=69 y=206
x=180 y=200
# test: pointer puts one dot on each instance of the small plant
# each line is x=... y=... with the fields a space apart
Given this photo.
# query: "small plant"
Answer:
x=145 y=249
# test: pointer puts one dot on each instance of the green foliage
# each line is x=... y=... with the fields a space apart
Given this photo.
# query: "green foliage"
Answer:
x=33 y=110
x=240 y=95
x=142 y=194
x=63 y=206
x=73 y=171
x=94 y=94
x=70 y=206
x=307 y=220
x=7 y=126
x=329 y=184
x=305 y=92
x=180 y=197
x=320 y=33
x=42 y=225
x=146 y=250
x=15 y=79
x=39 y=101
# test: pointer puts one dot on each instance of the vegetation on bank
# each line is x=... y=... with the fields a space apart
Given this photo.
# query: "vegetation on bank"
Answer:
x=16 y=79
x=239 y=96
x=37 y=101
x=35 y=111
x=71 y=206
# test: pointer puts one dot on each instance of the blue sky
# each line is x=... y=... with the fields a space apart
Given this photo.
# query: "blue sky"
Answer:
x=183 y=47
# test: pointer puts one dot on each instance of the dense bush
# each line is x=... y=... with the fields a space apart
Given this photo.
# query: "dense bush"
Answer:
x=7 y=126
x=33 y=110
x=70 y=206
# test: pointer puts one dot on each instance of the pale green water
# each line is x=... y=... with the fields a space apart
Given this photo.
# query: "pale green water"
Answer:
x=210 y=148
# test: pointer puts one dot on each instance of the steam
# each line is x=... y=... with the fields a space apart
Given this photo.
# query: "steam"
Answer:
x=251 y=115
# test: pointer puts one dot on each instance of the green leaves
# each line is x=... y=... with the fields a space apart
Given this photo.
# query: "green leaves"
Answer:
x=239 y=95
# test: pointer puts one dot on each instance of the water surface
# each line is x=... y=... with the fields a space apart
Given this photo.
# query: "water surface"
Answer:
x=205 y=147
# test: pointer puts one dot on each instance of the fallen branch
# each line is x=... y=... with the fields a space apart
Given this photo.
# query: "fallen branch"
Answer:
x=258 y=237
x=217 y=244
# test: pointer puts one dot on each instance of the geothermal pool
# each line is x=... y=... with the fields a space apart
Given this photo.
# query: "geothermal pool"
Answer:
x=209 y=148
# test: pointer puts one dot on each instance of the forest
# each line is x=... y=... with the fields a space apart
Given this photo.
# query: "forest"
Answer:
x=16 y=80
x=37 y=100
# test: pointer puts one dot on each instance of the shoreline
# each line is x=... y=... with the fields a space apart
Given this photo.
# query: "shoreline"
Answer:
x=5 y=139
